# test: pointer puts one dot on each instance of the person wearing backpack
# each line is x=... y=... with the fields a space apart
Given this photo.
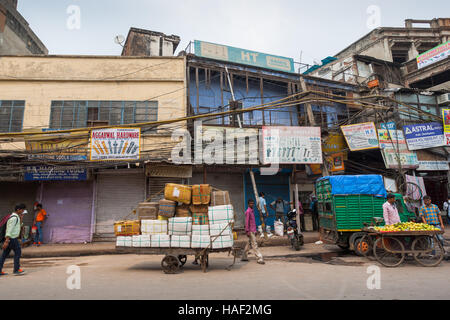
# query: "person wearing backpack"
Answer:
x=11 y=239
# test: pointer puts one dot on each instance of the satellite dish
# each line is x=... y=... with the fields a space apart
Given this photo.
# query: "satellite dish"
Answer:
x=119 y=39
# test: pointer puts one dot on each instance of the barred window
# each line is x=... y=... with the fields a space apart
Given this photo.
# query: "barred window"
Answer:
x=81 y=114
x=11 y=115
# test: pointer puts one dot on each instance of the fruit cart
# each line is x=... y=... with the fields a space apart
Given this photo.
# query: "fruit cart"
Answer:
x=390 y=248
x=175 y=258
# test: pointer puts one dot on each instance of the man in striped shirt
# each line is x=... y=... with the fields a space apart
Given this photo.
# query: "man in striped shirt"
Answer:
x=431 y=215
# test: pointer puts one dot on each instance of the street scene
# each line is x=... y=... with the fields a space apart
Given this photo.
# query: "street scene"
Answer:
x=170 y=153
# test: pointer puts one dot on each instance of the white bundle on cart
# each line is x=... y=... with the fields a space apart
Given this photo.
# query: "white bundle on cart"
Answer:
x=142 y=241
x=223 y=229
x=180 y=241
x=160 y=241
x=220 y=214
x=200 y=241
x=122 y=241
x=180 y=226
x=200 y=230
x=153 y=227
x=222 y=242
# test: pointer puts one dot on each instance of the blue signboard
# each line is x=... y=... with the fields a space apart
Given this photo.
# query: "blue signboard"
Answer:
x=242 y=56
x=47 y=173
x=388 y=126
x=424 y=135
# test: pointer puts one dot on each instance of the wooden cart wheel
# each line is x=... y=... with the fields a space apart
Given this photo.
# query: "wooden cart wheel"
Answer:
x=170 y=264
x=382 y=251
x=182 y=259
x=428 y=251
x=204 y=262
x=363 y=246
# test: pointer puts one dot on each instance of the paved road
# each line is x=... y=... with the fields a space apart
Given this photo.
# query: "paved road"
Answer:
x=283 y=277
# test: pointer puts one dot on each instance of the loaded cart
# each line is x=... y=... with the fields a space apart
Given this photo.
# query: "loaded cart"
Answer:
x=390 y=248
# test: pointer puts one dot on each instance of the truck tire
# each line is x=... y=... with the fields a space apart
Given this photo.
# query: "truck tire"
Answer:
x=354 y=239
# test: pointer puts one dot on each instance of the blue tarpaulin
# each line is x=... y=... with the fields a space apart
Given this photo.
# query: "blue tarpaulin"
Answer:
x=361 y=184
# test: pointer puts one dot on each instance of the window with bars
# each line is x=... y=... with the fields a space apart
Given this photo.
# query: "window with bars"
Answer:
x=80 y=114
x=11 y=115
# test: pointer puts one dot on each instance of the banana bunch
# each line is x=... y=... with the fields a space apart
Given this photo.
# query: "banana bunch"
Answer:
x=407 y=226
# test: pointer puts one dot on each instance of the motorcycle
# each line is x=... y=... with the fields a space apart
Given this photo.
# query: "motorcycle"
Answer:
x=294 y=235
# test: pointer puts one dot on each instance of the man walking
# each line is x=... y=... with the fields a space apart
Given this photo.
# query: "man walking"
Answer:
x=279 y=206
x=431 y=215
x=11 y=241
x=250 y=230
x=41 y=215
x=390 y=211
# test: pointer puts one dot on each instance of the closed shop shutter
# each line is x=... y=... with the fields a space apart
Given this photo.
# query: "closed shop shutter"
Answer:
x=155 y=190
x=13 y=193
x=69 y=209
x=231 y=182
x=118 y=194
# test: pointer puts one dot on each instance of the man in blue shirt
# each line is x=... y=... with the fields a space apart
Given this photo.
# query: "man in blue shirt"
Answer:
x=265 y=214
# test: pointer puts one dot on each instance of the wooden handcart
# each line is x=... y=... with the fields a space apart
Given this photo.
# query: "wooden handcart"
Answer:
x=391 y=248
x=175 y=258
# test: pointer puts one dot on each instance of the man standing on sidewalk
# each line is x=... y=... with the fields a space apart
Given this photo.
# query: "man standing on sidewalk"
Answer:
x=265 y=214
x=279 y=206
x=431 y=215
x=41 y=215
x=390 y=211
x=250 y=230
x=11 y=241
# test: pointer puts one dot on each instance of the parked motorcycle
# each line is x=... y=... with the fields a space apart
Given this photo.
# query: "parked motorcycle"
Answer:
x=294 y=235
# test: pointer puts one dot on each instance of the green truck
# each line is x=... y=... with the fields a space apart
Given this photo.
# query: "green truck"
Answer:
x=347 y=204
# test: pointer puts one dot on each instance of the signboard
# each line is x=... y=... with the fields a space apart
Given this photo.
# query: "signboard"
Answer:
x=433 y=166
x=49 y=173
x=434 y=55
x=335 y=162
x=64 y=147
x=393 y=145
x=388 y=125
x=242 y=56
x=115 y=144
x=446 y=119
x=361 y=136
x=291 y=145
x=423 y=136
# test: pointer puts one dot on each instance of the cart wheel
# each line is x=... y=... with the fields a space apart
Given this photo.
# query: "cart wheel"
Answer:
x=382 y=251
x=363 y=246
x=182 y=260
x=204 y=262
x=428 y=251
x=170 y=264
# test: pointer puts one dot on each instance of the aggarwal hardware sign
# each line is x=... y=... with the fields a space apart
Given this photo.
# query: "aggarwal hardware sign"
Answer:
x=291 y=145
x=115 y=144
x=423 y=136
x=242 y=56
x=434 y=55
x=361 y=136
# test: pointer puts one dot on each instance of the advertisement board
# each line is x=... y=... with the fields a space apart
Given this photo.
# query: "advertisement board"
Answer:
x=361 y=136
x=393 y=148
x=446 y=119
x=49 y=173
x=425 y=135
x=291 y=145
x=115 y=144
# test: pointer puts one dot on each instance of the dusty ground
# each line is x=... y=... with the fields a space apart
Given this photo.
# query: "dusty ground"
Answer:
x=324 y=273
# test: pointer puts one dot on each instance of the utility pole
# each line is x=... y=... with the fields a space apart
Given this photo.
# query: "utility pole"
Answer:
x=234 y=103
x=258 y=205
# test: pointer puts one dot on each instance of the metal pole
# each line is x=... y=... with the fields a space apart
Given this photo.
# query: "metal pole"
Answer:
x=258 y=205
x=232 y=94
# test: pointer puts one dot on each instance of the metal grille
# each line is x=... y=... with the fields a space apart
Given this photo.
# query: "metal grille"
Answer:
x=11 y=115
x=80 y=114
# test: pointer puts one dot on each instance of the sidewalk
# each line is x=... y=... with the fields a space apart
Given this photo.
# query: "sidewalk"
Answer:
x=107 y=248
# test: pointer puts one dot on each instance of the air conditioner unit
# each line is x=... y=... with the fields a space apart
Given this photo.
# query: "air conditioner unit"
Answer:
x=443 y=98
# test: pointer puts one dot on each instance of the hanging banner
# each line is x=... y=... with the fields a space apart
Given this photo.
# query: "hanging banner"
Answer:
x=446 y=118
x=434 y=55
x=292 y=145
x=335 y=143
x=394 y=148
x=115 y=144
x=362 y=136
x=335 y=162
x=388 y=125
x=423 y=136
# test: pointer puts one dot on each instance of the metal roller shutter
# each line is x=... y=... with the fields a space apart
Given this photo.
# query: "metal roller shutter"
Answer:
x=118 y=194
x=13 y=193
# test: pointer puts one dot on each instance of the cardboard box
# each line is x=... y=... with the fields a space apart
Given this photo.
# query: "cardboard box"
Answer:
x=200 y=241
x=200 y=230
x=160 y=241
x=221 y=214
x=220 y=198
x=151 y=227
x=180 y=241
x=180 y=226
